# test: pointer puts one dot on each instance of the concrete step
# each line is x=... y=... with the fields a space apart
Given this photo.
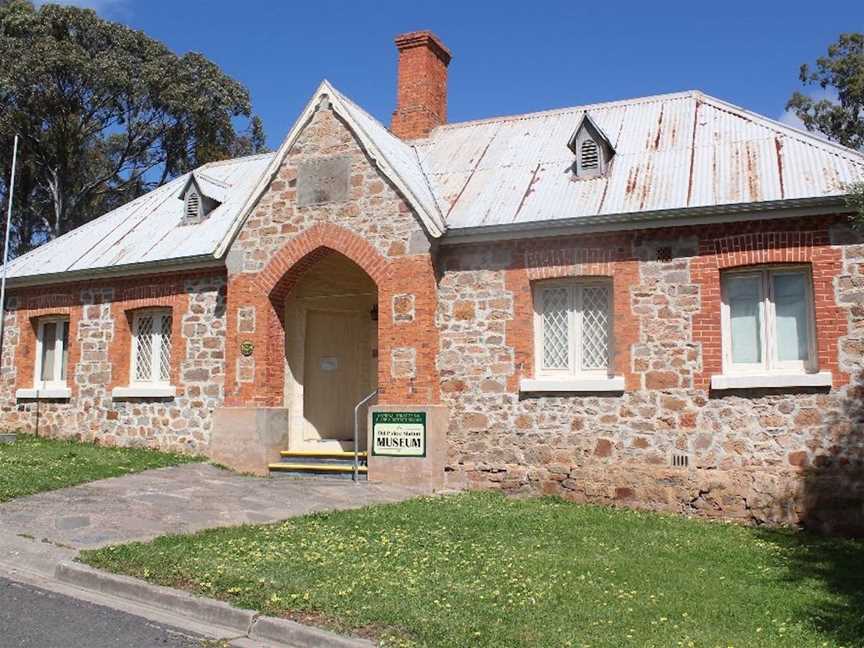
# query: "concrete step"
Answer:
x=342 y=470
x=322 y=458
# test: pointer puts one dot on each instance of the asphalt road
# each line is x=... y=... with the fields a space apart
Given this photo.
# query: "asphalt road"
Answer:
x=34 y=618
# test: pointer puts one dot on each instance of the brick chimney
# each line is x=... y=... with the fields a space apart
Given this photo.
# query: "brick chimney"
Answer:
x=421 y=93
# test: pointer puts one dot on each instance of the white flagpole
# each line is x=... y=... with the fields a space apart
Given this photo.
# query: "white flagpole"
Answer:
x=6 y=245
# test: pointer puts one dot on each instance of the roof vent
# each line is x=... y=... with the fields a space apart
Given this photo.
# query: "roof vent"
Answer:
x=193 y=205
x=592 y=149
x=201 y=194
x=589 y=157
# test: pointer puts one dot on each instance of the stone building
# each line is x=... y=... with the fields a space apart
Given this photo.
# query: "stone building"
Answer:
x=656 y=302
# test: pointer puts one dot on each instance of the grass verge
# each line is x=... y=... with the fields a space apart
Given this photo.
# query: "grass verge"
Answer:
x=33 y=464
x=479 y=569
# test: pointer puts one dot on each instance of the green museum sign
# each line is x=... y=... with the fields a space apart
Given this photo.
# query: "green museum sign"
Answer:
x=399 y=434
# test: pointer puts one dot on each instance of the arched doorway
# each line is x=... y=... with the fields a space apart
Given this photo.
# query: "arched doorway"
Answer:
x=331 y=352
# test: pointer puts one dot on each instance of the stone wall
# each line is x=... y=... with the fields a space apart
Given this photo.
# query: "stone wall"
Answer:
x=329 y=197
x=765 y=456
x=99 y=355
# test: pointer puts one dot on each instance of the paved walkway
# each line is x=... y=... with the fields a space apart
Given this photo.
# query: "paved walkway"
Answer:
x=181 y=499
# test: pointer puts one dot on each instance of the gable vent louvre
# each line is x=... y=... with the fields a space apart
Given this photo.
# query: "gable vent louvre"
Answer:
x=590 y=155
x=193 y=205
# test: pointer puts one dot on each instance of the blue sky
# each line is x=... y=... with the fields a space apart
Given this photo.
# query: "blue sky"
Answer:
x=509 y=57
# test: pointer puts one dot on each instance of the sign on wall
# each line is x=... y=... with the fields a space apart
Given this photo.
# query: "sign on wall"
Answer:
x=399 y=434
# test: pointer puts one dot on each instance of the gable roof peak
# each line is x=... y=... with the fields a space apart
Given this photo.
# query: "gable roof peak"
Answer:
x=396 y=160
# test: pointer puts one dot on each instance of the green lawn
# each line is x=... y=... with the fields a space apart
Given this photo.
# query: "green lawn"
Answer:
x=483 y=570
x=32 y=464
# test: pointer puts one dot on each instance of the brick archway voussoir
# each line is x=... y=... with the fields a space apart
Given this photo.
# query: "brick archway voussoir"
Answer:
x=322 y=236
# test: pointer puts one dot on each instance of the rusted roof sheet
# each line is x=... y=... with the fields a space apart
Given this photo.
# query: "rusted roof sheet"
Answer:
x=673 y=152
x=148 y=229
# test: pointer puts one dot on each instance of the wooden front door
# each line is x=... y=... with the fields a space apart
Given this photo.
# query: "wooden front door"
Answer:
x=336 y=373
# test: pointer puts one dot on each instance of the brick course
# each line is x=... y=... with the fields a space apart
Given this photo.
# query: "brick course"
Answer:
x=99 y=356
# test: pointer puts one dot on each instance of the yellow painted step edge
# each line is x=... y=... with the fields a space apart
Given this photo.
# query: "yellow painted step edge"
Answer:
x=314 y=468
x=323 y=454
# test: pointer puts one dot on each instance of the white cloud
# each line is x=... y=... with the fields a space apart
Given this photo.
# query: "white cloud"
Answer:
x=791 y=119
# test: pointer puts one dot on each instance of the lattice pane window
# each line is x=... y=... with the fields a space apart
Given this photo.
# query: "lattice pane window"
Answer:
x=556 y=328
x=574 y=327
x=595 y=327
x=152 y=347
x=165 y=350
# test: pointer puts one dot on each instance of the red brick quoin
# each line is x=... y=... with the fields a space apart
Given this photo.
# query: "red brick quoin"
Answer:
x=259 y=380
x=152 y=291
x=577 y=257
x=768 y=243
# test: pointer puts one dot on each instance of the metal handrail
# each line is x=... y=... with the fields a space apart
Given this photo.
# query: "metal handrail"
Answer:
x=357 y=432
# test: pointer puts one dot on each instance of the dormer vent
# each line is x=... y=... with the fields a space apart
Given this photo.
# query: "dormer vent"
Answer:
x=193 y=205
x=589 y=156
x=201 y=195
x=592 y=149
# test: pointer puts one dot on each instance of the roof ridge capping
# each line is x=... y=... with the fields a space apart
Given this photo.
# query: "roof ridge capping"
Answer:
x=685 y=94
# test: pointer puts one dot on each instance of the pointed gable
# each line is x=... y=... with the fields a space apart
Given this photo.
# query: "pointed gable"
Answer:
x=397 y=160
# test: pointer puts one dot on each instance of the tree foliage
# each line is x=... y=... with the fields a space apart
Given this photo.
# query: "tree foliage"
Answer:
x=104 y=113
x=841 y=71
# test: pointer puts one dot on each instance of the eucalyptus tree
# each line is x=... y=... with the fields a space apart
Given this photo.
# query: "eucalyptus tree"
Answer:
x=841 y=73
x=104 y=113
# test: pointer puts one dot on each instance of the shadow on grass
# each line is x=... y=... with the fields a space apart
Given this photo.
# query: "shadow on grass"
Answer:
x=829 y=554
x=833 y=565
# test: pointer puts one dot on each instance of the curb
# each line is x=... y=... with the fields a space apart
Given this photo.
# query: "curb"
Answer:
x=245 y=622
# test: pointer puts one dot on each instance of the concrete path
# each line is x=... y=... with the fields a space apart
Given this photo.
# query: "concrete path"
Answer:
x=180 y=499
x=40 y=532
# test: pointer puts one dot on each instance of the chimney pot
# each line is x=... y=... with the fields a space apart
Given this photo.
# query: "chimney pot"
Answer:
x=421 y=93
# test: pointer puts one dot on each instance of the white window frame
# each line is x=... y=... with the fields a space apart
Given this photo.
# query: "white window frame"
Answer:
x=59 y=381
x=770 y=364
x=155 y=348
x=573 y=378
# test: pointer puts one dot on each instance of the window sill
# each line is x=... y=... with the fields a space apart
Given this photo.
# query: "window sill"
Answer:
x=144 y=391
x=769 y=380
x=43 y=393
x=599 y=384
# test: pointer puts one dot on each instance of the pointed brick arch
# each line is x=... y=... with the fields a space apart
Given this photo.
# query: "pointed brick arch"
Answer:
x=302 y=252
x=259 y=379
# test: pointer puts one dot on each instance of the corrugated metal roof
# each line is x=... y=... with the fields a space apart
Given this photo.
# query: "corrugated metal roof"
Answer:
x=672 y=152
x=149 y=228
